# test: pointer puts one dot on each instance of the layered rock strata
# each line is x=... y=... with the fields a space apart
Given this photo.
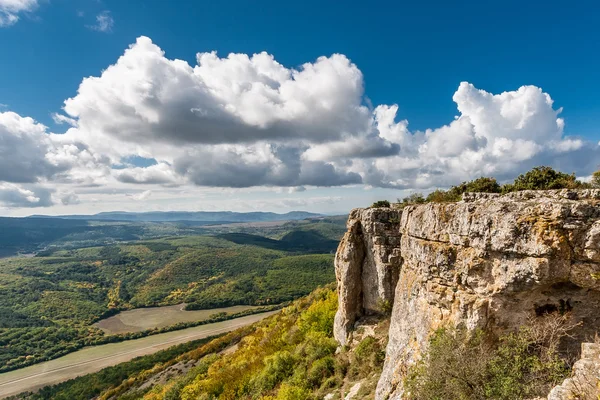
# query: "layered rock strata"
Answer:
x=489 y=261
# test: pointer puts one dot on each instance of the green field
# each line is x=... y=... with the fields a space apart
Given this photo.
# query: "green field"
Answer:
x=92 y=359
x=141 y=319
x=290 y=355
x=49 y=303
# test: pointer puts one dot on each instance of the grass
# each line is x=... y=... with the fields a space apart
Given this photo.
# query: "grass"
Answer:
x=141 y=319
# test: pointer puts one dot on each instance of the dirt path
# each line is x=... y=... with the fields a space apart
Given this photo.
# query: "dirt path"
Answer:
x=93 y=359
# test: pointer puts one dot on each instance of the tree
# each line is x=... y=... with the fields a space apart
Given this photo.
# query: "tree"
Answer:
x=483 y=185
x=596 y=180
x=545 y=178
x=381 y=203
x=415 y=198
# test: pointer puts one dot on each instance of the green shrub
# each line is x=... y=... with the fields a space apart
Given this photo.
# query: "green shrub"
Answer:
x=368 y=357
x=381 y=203
x=385 y=306
x=316 y=345
x=520 y=365
x=596 y=180
x=545 y=178
x=415 y=198
x=290 y=392
x=539 y=178
x=479 y=185
x=319 y=315
x=483 y=185
x=278 y=367
x=320 y=370
x=369 y=351
x=442 y=196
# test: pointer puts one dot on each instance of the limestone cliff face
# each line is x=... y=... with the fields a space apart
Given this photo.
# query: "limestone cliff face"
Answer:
x=488 y=261
x=367 y=266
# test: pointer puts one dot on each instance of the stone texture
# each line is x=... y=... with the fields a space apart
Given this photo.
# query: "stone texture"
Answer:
x=488 y=261
x=353 y=391
x=348 y=271
x=584 y=384
x=367 y=266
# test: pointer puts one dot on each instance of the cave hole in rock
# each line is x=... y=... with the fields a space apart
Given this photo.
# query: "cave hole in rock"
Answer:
x=563 y=306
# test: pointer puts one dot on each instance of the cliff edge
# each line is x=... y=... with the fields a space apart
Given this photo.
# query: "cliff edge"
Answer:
x=489 y=261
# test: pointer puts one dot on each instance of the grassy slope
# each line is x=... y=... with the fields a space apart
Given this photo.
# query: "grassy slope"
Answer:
x=291 y=355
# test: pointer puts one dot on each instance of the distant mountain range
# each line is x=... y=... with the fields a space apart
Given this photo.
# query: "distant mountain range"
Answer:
x=175 y=216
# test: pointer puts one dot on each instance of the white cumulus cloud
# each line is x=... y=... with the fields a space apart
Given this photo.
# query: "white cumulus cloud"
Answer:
x=494 y=134
x=26 y=196
x=25 y=150
x=237 y=99
x=245 y=121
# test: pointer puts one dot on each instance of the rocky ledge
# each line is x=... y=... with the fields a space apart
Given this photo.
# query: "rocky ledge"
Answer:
x=489 y=261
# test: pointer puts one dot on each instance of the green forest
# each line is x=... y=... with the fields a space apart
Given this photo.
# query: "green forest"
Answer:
x=49 y=302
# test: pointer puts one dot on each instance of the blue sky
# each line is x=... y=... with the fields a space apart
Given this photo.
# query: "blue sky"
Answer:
x=412 y=54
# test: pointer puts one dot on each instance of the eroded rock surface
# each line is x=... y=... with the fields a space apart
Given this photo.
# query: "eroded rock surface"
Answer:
x=584 y=384
x=488 y=261
x=367 y=266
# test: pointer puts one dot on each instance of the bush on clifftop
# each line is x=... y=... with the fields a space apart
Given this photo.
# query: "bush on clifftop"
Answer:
x=381 y=203
x=539 y=178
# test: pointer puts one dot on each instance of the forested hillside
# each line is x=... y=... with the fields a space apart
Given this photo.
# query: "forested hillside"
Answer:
x=49 y=302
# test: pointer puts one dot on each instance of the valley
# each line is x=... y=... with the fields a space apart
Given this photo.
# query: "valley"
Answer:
x=92 y=359
x=70 y=296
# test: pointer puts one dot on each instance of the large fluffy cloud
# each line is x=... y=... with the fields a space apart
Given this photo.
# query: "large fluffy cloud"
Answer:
x=498 y=135
x=238 y=99
x=242 y=121
x=25 y=150
x=258 y=165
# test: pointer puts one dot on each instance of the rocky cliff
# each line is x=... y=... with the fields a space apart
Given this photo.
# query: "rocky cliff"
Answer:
x=489 y=261
x=585 y=382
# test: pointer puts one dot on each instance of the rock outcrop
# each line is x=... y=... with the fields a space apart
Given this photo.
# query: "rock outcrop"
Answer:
x=489 y=261
x=585 y=380
x=367 y=266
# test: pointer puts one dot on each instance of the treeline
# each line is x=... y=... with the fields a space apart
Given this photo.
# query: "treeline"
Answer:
x=539 y=178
